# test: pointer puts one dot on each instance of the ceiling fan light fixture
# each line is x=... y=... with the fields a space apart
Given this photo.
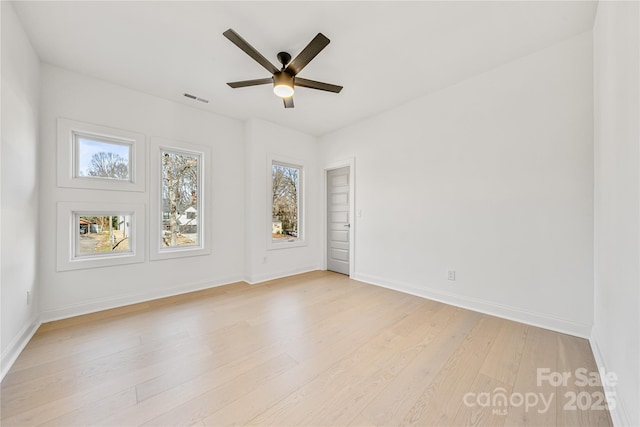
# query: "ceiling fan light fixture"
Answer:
x=283 y=84
x=283 y=79
x=283 y=91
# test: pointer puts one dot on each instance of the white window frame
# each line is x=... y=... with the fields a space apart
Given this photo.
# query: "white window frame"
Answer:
x=157 y=251
x=68 y=235
x=294 y=241
x=69 y=130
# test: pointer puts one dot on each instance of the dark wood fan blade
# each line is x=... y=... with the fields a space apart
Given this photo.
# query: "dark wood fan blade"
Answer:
x=314 y=47
x=288 y=102
x=255 y=82
x=250 y=50
x=312 y=84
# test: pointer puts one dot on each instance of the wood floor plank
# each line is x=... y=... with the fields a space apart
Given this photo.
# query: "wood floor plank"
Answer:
x=345 y=363
x=324 y=355
x=66 y=382
x=56 y=406
x=42 y=364
x=540 y=352
x=203 y=405
x=504 y=356
x=307 y=350
x=439 y=403
x=340 y=392
x=170 y=398
x=478 y=411
x=579 y=404
x=360 y=421
x=394 y=402
x=89 y=414
x=393 y=349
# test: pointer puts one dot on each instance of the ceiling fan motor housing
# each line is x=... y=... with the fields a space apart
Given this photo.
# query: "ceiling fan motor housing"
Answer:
x=282 y=78
x=284 y=58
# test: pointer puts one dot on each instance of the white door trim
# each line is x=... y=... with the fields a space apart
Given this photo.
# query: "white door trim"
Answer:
x=351 y=163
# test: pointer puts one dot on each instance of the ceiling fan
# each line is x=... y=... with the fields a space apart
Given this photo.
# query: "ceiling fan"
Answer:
x=285 y=79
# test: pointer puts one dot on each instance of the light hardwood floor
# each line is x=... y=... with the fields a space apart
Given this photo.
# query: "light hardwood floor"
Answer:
x=313 y=349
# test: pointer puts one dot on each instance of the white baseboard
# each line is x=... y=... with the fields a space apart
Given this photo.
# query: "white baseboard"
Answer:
x=10 y=355
x=506 y=312
x=619 y=415
x=252 y=280
x=123 y=300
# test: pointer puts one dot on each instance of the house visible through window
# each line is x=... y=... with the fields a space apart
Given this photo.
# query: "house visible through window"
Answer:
x=102 y=234
x=180 y=199
x=285 y=187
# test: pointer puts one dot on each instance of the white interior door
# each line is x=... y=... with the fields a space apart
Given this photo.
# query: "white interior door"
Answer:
x=338 y=220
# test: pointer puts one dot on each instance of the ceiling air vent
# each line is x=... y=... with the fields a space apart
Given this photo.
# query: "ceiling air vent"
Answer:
x=195 y=98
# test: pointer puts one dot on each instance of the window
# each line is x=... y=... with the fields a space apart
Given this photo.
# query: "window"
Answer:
x=179 y=205
x=286 y=207
x=102 y=234
x=180 y=190
x=99 y=157
x=99 y=234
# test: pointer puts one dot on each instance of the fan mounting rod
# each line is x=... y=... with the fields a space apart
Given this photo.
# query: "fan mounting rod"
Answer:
x=284 y=58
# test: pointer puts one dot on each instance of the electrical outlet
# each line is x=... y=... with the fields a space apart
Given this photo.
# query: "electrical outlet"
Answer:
x=451 y=275
x=28 y=297
x=264 y=259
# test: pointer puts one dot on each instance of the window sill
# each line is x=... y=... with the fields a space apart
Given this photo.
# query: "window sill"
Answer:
x=287 y=244
x=179 y=252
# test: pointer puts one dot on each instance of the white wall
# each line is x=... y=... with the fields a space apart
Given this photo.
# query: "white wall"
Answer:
x=262 y=140
x=78 y=97
x=19 y=215
x=491 y=178
x=616 y=333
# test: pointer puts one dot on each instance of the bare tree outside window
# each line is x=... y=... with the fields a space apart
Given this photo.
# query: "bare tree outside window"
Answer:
x=108 y=165
x=103 y=159
x=286 y=201
x=180 y=204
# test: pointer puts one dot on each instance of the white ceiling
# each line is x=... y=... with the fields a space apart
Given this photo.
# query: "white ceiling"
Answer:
x=383 y=53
